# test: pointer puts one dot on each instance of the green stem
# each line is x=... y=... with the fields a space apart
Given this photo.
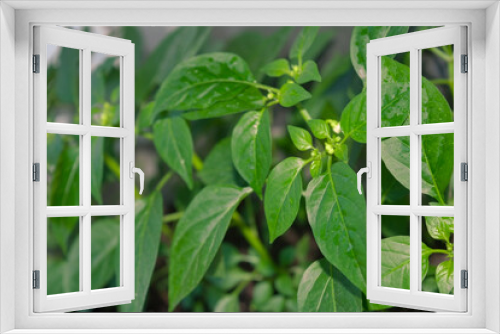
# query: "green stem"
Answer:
x=304 y=113
x=441 y=251
x=148 y=135
x=251 y=237
x=197 y=162
x=172 y=217
x=441 y=54
x=114 y=167
x=164 y=180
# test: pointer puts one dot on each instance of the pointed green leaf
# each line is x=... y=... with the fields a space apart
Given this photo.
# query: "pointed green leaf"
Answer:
x=362 y=36
x=301 y=138
x=308 y=73
x=198 y=236
x=353 y=119
x=173 y=142
x=323 y=288
x=182 y=43
x=145 y=118
x=395 y=265
x=282 y=198
x=439 y=228
x=303 y=42
x=259 y=49
x=251 y=148
x=277 y=68
x=342 y=152
x=291 y=94
x=261 y=293
x=319 y=128
x=218 y=166
x=210 y=85
x=315 y=168
x=337 y=215
x=444 y=276
x=148 y=222
x=229 y=303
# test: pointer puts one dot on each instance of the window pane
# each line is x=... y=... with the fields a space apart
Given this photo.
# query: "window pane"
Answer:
x=63 y=88
x=437 y=253
x=63 y=254
x=63 y=170
x=105 y=176
x=395 y=183
x=105 y=252
x=437 y=169
x=395 y=90
x=105 y=89
x=437 y=85
x=395 y=252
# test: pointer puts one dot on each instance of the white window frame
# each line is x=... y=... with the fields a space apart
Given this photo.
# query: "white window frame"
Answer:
x=414 y=43
x=483 y=21
x=85 y=43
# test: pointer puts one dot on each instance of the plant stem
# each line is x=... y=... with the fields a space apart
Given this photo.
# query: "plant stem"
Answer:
x=441 y=251
x=114 y=167
x=252 y=237
x=164 y=180
x=441 y=54
x=304 y=113
x=172 y=217
x=197 y=162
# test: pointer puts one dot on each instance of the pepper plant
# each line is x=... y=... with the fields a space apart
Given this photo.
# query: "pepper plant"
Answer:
x=270 y=218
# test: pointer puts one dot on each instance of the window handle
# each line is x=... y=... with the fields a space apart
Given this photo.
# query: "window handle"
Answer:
x=141 y=175
x=368 y=171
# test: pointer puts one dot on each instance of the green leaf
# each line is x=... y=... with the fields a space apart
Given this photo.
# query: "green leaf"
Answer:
x=148 y=222
x=218 y=166
x=303 y=42
x=198 y=236
x=337 y=215
x=301 y=138
x=182 y=43
x=323 y=288
x=353 y=119
x=258 y=49
x=395 y=265
x=66 y=85
x=275 y=304
x=97 y=152
x=284 y=285
x=444 y=276
x=173 y=142
x=251 y=148
x=145 y=118
x=282 y=198
x=309 y=72
x=315 y=167
x=104 y=248
x=210 y=85
x=319 y=128
x=277 y=68
x=291 y=94
x=229 y=303
x=342 y=152
x=439 y=228
x=262 y=292
x=362 y=36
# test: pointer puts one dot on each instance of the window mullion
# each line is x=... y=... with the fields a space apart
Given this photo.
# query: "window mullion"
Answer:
x=86 y=167
x=415 y=250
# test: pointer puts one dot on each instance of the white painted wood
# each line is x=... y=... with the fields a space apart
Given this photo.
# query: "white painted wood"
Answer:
x=87 y=43
x=414 y=43
x=7 y=167
x=192 y=14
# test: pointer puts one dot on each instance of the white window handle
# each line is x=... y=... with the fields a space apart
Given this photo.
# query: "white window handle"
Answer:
x=368 y=171
x=139 y=171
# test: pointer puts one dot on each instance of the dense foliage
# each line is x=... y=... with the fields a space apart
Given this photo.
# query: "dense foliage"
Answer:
x=266 y=220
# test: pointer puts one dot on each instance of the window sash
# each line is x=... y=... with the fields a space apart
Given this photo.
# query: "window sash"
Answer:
x=413 y=43
x=85 y=42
